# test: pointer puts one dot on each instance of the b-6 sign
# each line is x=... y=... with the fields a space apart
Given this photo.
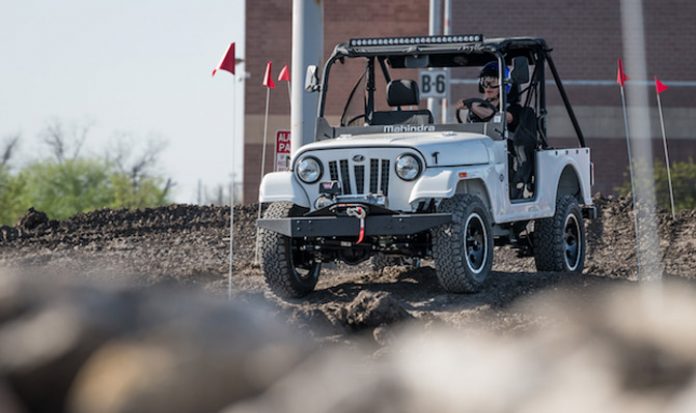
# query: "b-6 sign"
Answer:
x=433 y=83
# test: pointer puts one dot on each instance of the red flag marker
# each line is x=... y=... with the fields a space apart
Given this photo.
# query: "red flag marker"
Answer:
x=228 y=61
x=284 y=74
x=659 y=86
x=621 y=76
x=267 y=77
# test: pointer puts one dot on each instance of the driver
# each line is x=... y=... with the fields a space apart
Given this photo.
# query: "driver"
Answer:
x=483 y=109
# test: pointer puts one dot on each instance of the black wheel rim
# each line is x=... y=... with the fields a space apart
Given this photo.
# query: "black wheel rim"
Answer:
x=476 y=243
x=571 y=242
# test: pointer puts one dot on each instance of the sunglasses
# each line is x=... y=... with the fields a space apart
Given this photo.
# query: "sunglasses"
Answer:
x=489 y=84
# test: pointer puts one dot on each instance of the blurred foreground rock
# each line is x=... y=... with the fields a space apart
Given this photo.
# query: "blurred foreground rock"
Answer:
x=631 y=351
x=88 y=348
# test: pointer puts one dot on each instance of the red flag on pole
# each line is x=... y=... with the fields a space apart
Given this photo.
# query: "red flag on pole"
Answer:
x=267 y=77
x=228 y=61
x=284 y=74
x=659 y=86
x=621 y=76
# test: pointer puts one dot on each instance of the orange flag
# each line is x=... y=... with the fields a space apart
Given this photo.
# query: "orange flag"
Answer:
x=267 y=77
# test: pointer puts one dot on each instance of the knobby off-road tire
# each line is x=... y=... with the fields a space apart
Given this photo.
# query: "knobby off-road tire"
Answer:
x=463 y=249
x=284 y=276
x=559 y=241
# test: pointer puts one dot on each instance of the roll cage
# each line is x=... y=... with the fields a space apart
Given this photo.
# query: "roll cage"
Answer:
x=452 y=52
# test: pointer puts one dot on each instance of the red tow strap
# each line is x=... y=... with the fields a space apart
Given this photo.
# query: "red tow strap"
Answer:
x=359 y=212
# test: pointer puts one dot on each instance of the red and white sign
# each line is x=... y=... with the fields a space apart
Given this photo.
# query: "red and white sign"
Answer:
x=282 y=150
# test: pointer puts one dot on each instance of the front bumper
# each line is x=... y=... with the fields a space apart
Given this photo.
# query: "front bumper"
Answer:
x=343 y=226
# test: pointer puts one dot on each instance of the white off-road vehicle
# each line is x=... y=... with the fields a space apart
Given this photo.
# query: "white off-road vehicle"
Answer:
x=386 y=180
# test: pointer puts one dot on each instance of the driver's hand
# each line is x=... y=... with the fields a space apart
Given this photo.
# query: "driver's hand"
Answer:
x=467 y=103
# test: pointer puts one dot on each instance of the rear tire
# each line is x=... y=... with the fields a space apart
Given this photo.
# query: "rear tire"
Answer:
x=559 y=241
x=463 y=249
x=289 y=273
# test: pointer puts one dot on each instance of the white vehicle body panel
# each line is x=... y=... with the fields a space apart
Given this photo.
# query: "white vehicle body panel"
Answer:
x=281 y=187
x=454 y=162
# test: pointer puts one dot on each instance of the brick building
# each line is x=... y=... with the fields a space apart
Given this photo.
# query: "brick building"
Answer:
x=586 y=38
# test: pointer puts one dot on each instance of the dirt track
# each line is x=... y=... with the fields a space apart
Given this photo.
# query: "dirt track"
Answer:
x=159 y=336
x=189 y=245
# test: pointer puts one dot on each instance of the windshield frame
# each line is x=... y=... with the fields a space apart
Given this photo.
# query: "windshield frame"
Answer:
x=343 y=53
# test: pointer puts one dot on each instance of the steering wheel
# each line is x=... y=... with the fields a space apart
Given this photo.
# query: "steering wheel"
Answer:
x=353 y=119
x=468 y=102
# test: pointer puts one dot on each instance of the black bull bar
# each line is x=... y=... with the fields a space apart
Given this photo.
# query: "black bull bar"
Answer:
x=347 y=226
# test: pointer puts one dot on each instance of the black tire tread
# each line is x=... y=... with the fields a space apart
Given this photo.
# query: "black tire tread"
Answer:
x=548 y=237
x=448 y=250
x=276 y=262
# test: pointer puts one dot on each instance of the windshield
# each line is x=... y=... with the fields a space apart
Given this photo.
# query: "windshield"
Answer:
x=369 y=91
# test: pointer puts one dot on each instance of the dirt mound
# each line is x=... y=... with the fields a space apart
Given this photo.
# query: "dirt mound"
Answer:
x=177 y=351
x=205 y=229
x=370 y=309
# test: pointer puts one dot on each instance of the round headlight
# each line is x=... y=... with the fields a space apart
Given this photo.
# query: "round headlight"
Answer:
x=309 y=169
x=408 y=167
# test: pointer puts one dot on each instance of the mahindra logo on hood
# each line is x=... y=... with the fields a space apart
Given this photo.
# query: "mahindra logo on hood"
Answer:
x=408 y=128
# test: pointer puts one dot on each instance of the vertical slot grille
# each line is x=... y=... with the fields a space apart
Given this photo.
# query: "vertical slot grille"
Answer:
x=333 y=171
x=374 y=175
x=359 y=179
x=345 y=177
x=384 y=182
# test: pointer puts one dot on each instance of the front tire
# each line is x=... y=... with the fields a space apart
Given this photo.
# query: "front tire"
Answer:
x=463 y=249
x=559 y=241
x=289 y=273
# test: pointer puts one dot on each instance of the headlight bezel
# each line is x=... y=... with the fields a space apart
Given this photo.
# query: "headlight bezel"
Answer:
x=317 y=161
x=418 y=163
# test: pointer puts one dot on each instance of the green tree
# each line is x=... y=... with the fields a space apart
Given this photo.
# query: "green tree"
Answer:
x=62 y=189
x=683 y=184
x=66 y=182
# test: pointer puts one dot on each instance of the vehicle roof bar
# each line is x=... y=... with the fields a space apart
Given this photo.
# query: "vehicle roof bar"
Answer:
x=573 y=119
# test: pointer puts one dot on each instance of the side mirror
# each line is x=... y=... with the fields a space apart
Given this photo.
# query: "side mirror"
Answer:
x=312 y=79
x=520 y=70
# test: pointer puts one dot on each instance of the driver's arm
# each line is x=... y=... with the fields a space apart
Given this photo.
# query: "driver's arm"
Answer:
x=484 y=112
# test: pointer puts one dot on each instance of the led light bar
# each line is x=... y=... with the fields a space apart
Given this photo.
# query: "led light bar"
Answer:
x=417 y=40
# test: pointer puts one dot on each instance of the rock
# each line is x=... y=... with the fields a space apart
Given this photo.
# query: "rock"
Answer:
x=32 y=220
x=8 y=233
x=372 y=309
x=100 y=348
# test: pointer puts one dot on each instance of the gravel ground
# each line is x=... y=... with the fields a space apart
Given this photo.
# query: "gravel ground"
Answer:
x=188 y=245
x=385 y=316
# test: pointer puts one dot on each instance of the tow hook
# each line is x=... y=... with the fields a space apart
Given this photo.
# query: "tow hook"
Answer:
x=359 y=213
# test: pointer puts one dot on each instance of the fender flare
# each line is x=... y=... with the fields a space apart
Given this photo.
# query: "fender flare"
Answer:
x=282 y=187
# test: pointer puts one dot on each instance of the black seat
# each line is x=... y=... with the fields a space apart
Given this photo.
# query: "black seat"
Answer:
x=523 y=149
x=402 y=93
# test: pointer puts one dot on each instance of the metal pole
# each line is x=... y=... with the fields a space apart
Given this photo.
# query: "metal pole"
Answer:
x=435 y=28
x=234 y=142
x=664 y=143
x=630 y=171
x=263 y=165
x=447 y=31
x=634 y=50
x=307 y=49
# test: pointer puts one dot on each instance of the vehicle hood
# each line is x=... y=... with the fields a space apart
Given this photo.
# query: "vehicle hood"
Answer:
x=437 y=148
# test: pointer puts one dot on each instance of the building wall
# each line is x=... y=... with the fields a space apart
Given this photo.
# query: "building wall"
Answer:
x=586 y=41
